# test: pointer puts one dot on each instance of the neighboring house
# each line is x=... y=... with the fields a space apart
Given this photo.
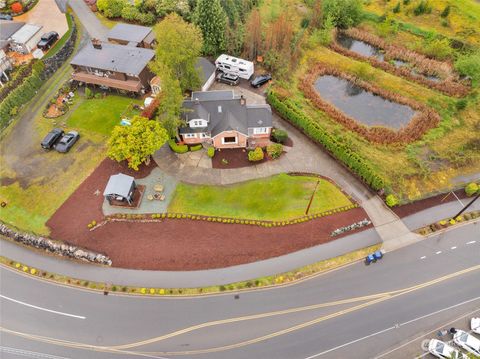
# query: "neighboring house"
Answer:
x=132 y=35
x=221 y=119
x=206 y=73
x=115 y=66
x=7 y=29
x=26 y=38
x=5 y=65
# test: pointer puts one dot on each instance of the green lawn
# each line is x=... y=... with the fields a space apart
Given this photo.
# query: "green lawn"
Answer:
x=100 y=115
x=275 y=198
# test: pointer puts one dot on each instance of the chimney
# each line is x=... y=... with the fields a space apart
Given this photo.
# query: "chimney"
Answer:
x=97 y=44
x=242 y=101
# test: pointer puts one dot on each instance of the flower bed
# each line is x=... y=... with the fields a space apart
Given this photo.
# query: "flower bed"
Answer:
x=363 y=223
x=448 y=222
x=158 y=217
x=425 y=119
x=449 y=84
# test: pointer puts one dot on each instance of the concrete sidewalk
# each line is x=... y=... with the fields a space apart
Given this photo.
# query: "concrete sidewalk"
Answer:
x=191 y=278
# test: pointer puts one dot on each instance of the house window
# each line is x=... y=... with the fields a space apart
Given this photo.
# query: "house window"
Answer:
x=203 y=135
x=260 y=130
x=197 y=123
x=190 y=135
x=228 y=140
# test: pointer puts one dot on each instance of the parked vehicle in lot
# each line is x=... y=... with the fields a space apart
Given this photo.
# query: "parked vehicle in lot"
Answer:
x=475 y=325
x=67 y=141
x=235 y=66
x=51 y=138
x=260 y=80
x=228 y=79
x=6 y=17
x=47 y=40
x=373 y=257
x=467 y=341
x=444 y=351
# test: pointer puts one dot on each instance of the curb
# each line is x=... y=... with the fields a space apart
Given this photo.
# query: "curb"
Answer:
x=291 y=278
x=444 y=230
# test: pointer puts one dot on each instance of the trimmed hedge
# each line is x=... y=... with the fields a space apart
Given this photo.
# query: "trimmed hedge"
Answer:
x=255 y=155
x=177 y=148
x=21 y=95
x=196 y=147
x=211 y=152
x=338 y=149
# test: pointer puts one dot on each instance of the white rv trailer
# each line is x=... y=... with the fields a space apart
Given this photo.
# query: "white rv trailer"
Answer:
x=235 y=66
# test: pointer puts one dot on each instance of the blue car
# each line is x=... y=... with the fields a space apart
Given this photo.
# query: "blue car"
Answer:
x=373 y=257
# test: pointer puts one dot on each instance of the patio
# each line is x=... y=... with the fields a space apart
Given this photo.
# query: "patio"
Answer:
x=158 y=185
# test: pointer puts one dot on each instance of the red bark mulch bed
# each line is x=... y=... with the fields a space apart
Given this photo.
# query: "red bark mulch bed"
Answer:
x=412 y=208
x=236 y=158
x=181 y=244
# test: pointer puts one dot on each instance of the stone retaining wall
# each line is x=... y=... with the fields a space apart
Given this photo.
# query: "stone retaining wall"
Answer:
x=52 y=64
x=55 y=247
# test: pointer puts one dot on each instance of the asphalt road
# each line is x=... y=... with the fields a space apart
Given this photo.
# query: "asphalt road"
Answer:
x=366 y=310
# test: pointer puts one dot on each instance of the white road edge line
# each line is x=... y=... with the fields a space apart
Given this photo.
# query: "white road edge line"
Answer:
x=396 y=326
x=40 y=308
x=28 y=353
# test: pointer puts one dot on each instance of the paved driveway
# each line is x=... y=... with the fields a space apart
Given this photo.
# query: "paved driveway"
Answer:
x=88 y=19
x=47 y=14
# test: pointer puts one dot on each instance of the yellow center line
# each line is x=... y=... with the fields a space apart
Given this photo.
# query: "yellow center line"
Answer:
x=373 y=299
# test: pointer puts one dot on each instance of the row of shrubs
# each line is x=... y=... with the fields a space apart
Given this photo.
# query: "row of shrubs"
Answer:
x=273 y=150
x=16 y=78
x=444 y=223
x=334 y=145
x=261 y=223
x=21 y=95
x=424 y=119
x=449 y=85
x=178 y=148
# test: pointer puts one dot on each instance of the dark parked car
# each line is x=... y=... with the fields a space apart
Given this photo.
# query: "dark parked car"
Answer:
x=260 y=80
x=228 y=79
x=67 y=141
x=47 y=40
x=51 y=138
x=6 y=17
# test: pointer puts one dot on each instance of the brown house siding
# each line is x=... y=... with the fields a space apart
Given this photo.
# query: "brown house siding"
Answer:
x=241 y=140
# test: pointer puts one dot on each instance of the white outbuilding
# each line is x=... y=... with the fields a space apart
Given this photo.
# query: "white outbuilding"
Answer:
x=26 y=38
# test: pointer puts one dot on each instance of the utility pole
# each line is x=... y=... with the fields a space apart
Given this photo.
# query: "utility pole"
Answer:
x=468 y=205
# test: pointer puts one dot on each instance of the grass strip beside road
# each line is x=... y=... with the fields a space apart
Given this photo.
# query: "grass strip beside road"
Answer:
x=287 y=278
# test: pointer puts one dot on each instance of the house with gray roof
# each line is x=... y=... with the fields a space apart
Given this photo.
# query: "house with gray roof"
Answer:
x=8 y=28
x=132 y=35
x=223 y=120
x=116 y=66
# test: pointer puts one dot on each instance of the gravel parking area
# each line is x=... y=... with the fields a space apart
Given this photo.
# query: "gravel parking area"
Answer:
x=47 y=14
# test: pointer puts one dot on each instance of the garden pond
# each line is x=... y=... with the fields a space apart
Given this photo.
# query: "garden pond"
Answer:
x=365 y=49
x=361 y=105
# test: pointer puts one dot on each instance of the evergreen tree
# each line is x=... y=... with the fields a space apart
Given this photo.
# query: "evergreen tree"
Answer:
x=211 y=19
